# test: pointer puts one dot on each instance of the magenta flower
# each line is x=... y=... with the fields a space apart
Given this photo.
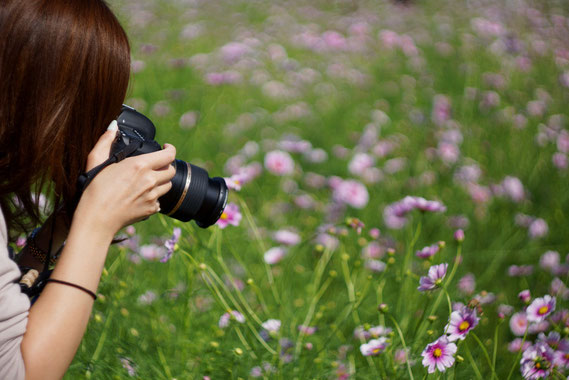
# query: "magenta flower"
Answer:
x=537 y=361
x=306 y=330
x=170 y=244
x=459 y=235
x=374 y=347
x=434 y=279
x=461 y=322
x=439 y=355
x=286 y=237
x=231 y=215
x=525 y=296
x=395 y=214
x=540 y=308
x=279 y=162
x=538 y=228
x=428 y=251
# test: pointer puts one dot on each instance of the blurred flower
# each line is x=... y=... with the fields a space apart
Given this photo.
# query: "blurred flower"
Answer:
x=147 y=298
x=286 y=237
x=549 y=261
x=377 y=331
x=538 y=228
x=467 y=284
x=152 y=252
x=352 y=193
x=360 y=162
x=279 y=162
x=307 y=330
x=460 y=323
x=435 y=277
x=519 y=324
x=375 y=265
x=272 y=325
x=231 y=215
x=439 y=355
x=170 y=244
x=129 y=365
x=428 y=252
x=537 y=361
x=518 y=345
x=459 y=235
x=232 y=315
x=513 y=188
x=274 y=255
x=525 y=296
x=189 y=119
x=520 y=270
x=374 y=347
x=540 y=308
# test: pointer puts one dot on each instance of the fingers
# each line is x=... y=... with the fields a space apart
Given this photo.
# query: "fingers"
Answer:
x=165 y=175
x=102 y=148
x=163 y=189
x=161 y=158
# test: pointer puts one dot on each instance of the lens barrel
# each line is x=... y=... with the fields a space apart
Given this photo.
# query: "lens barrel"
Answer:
x=194 y=195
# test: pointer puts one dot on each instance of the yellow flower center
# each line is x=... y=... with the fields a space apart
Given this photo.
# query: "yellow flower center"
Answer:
x=538 y=365
x=437 y=353
x=375 y=350
x=237 y=182
x=223 y=216
x=464 y=326
x=542 y=310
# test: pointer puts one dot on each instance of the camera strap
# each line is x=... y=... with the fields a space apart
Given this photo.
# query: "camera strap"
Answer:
x=85 y=179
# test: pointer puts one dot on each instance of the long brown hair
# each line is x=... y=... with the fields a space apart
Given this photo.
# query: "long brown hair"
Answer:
x=64 y=72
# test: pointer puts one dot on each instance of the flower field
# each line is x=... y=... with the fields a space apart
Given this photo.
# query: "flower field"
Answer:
x=399 y=204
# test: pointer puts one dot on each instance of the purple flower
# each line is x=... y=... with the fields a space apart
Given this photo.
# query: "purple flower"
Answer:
x=428 y=251
x=352 y=193
x=521 y=270
x=540 y=308
x=435 y=277
x=537 y=361
x=231 y=215
x=549 y=261
x=286 y=237
x=152 y=252
x=306 y=330
x=439 y=355
x=374 y=347
x=525 y=296
x=129 y=365
x=459 y=235
x=226 y=317
x=538 y=228
x=467 y=284
x=518 y=345
x=394 y=214
x=460 y=323
x=170 y=244
x=375 y=265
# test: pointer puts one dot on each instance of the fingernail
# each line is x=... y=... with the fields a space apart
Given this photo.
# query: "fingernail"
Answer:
x=113 y=126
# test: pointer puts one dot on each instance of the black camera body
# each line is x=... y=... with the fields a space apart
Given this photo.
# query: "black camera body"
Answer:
x=193 y=194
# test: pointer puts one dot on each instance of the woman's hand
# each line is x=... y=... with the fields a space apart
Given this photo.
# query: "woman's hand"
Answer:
x=127 y=191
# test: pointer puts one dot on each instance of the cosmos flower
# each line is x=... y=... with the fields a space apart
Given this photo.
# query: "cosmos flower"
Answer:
x=271 y=325
x=428 y=251
x=374 y=347
x=274 y=255
x=394 y=214
x=279 y=162
x=152 y=252
x=525 y=296
x=540 y=308
x=232 y=315
x=537 y=361
x=352 y=193
x=435 y=277
x=460 y=323
x=459 y=235
x=439 y=355
x=519 y=323
x=231 y=215
x=306 y=330
x=170 y=244
x=538 y=228
x=286 y=237
x=467 y=284
x=518 y=345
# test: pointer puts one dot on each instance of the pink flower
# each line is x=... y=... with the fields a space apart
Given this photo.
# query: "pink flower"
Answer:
x=360 y=162
x=518 y=345
x=274 y=255
x=439 y=355
x=513 y=188
x=525 y=296
x=230 y=215
x=537 y=361
x=560 y=161
x=434 y=279
x=428 y=251
x=460 y=323
x=286 y=237
x=352 y=193
x=549 y=261
x=540 y=308
x=459 y=235
x=279 y=162
x=519 y=324
x=307 y=330
x=538 y=228
x=152 y=252
x=467 y=284
x=374 y=347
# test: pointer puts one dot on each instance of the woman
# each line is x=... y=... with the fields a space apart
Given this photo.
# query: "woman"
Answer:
x=64 y=71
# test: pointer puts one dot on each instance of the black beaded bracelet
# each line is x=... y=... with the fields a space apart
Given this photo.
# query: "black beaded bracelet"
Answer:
x=74 y=286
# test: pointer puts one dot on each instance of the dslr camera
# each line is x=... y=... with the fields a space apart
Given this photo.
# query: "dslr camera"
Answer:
x=193 y=194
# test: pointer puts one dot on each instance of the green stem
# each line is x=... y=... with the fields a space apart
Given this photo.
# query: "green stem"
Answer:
x=485 y=351
x=405 y=268
x=102 y=339
x=495 y=351
x=403 y=343
x=517 y=360
x=473 y=363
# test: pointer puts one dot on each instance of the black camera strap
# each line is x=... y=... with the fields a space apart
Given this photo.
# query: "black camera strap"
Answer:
x=85 y=179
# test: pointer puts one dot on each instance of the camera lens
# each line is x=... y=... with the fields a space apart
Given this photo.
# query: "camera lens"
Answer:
x=194 y=195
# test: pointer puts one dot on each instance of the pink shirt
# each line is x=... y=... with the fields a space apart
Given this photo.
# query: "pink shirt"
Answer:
x=14 y=306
